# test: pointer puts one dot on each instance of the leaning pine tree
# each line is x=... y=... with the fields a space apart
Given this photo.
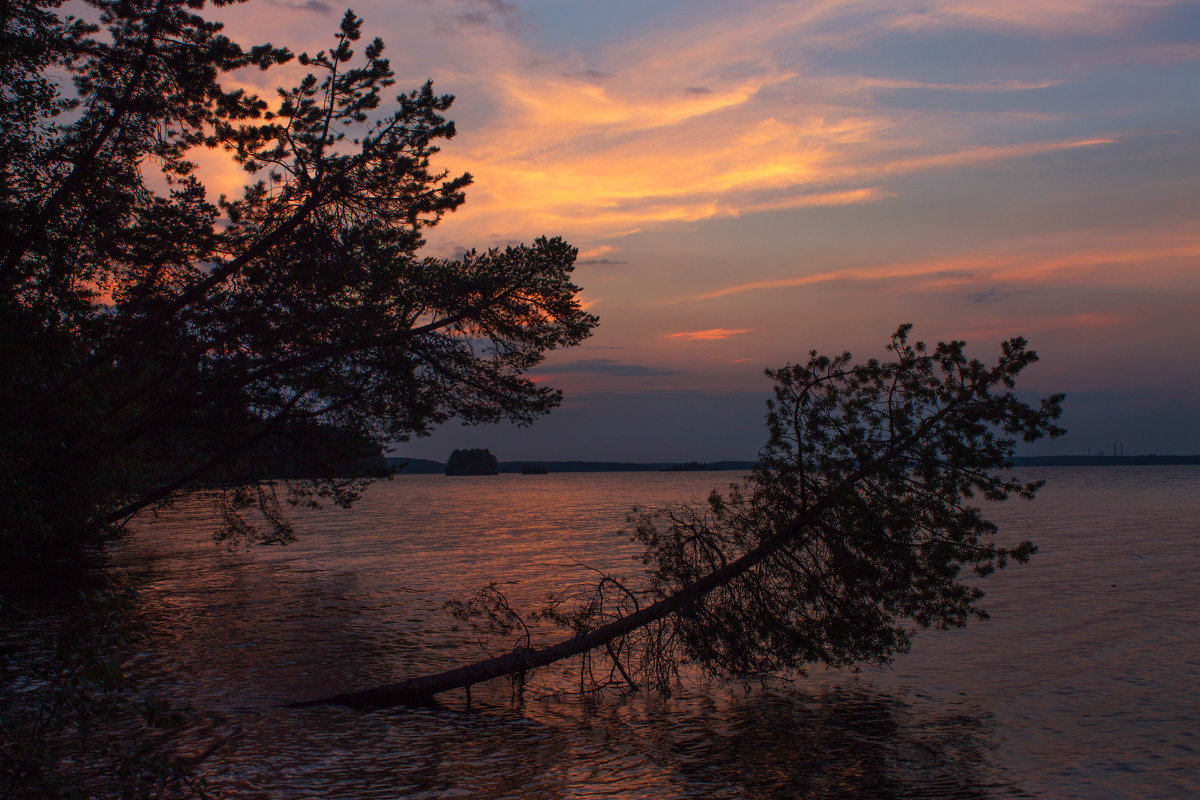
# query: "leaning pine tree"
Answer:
x=155 y=338
x=859 y=525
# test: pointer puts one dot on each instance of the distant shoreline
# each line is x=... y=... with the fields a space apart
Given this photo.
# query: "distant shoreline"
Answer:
x=1104 y=461
x=423 y=466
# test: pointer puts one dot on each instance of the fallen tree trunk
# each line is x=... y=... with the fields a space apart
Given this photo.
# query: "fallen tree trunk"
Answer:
x=859 y=502
x=420 y=691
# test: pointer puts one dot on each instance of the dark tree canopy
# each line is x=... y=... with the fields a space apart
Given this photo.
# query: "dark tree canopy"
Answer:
x=155 y=338
x=864 y=506
x=860 y=524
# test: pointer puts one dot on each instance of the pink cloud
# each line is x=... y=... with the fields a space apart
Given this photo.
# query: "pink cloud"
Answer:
x=712 y=334
x=1171 y=252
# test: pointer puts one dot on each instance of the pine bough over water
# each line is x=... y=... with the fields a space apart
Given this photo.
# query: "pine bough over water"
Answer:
x=856 y=528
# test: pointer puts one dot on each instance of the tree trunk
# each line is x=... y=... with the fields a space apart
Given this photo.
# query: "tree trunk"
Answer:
x=419 y=691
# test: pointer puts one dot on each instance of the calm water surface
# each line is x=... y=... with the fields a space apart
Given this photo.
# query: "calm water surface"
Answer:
x=1084 y=684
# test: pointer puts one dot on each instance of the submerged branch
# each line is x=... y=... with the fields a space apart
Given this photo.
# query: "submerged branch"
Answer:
x=419 y=691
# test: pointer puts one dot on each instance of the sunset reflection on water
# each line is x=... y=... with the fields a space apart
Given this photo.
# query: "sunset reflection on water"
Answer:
x=1080 y=685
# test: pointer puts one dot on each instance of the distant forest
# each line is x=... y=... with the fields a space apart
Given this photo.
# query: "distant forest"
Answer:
x=424 y=466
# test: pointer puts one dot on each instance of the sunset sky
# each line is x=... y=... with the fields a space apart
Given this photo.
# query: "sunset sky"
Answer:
x=746 y=182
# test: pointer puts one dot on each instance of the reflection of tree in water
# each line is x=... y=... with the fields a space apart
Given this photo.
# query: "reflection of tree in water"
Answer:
x=803 y=742
x=841 y=742
x=837 y=742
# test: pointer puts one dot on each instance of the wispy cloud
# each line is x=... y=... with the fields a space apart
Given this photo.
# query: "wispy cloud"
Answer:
x=599 y=255
x=715 y=114
x=815 y=170
x=319 y=6
x=862 y=82
x=1069 y=262
x=721 y=118
x=981 y=154
x=587 y=75
x=1091 y=321
x=710 y=335
x=1091 y=16
x=931 y=269
x=993 y=294
x=470 y=16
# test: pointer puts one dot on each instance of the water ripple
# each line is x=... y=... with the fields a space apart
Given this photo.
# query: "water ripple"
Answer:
x=1082 y=685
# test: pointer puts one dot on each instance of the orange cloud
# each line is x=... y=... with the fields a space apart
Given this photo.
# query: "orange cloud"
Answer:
x=567 y=109
x=952 y=268
x=597 y=251
x=716 y=118
x=712 y=334
x=712 y=115
x=620 y=188
x=976 y=155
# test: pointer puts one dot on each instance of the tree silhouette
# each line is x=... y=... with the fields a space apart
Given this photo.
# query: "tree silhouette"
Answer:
x=155 y=339
x=475 y=461
x=852 y=532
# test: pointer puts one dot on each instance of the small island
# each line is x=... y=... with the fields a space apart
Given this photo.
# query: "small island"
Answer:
x=476 y=461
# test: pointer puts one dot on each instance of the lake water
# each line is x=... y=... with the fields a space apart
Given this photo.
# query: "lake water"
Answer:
x=1084 y=684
